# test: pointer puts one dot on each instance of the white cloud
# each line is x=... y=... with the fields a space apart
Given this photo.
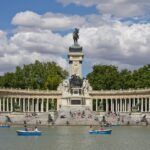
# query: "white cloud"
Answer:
x=119 y=43
x=104 y=41
x=53 y=21
x=120 y=8
x=24 y=47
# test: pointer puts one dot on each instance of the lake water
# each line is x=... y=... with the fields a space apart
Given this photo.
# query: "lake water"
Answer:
x=77 y=138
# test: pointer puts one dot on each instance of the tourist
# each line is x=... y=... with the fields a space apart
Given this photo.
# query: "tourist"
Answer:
x=36 y=129
x=25 y=128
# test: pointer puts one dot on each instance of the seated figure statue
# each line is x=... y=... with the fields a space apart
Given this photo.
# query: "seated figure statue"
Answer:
x=75 y=81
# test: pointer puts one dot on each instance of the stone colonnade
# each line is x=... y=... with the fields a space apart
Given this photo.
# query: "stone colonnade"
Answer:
x=122 y=104
x=27 y=104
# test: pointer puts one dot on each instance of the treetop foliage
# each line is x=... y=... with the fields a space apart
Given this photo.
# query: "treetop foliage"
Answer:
x=39 y=75
x=108 y=77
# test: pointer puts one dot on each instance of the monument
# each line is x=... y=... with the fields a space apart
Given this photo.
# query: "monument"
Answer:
x=75 y=56
x=75 y=89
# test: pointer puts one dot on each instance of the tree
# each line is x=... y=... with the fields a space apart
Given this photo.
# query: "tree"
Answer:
x=104 y=77
x=39 y=75
x=108 y=77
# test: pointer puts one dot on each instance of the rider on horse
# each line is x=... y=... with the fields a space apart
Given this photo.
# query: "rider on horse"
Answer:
x=76 y=35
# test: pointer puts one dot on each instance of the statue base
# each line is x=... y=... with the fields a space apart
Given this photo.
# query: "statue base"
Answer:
x=75 y=48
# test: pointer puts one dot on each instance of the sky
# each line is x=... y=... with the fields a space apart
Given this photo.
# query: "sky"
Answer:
x=112 y=32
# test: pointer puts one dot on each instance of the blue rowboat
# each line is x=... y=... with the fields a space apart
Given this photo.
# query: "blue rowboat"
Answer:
x=107 y=131
x=4 y=126
x=28 y=133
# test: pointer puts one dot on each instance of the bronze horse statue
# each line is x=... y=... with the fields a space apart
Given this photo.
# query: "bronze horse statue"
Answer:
x=76 y=35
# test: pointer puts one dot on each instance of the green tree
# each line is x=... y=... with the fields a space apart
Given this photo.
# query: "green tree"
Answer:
x=39 y=75
x=104 y=77
x=108 y=77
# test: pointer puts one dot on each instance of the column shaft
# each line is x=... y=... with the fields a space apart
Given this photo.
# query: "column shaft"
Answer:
x=47 y=105
x=37 y=105
x=141 y=105
x=28 y=104
x=11 y=104
x=3 y=104
x=42 y=103
x=0 y=104
x=24 y=104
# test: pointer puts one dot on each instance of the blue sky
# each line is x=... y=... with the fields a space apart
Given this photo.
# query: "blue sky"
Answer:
x=8 y=9
x=113 y=32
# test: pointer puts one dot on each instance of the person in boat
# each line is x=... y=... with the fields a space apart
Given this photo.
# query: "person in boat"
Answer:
x=25 y=128
x=101 y=128
x=36 y=129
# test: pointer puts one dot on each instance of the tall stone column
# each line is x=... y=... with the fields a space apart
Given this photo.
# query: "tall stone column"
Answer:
x=106 y=105
x=112 y=106
x=7 y=109
x=11 y=104
x=3 y=104
x=133 y=101
x=120 y=104
x=141 y=104
x=42 y=104
x=116 y=105
x=125 y=105
x=19 y=102
x=145 y=104
x=32 y=105
x=53 y=102
x=37 y=105
x=0 y=104
x=138 y=103
x=149 y=103
x=24 y=104
x=28 y=104
x=47 y=105
x=96 y=104
x=129 y=105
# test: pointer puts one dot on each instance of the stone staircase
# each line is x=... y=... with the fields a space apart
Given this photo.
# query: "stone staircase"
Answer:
x=78 y=115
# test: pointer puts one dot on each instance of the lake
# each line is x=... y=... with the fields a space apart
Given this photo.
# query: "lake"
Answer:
x=77 y=138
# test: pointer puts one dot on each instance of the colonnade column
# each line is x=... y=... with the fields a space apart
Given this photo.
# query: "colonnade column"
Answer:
x=125 y=103
x=3 y=104
x=133 y=101
x=112 y=105
x=11 y=104
x=32 y=105
x=149 y=103
x=138 y=101
x=37 y=105
x=116 y=105
x=47 y=104
x=19 y=102
x=7 y=108
x=106 y=105
x=141 y=105
x=129 y=106
x=0 y=104
x=42 y=103
x=120 y=104
x=96 y=104
x=24 y=108
x=145 y=104
x=28 y=104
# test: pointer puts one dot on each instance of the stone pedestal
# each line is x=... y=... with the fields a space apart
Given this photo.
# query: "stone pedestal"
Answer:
x=75 y=60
